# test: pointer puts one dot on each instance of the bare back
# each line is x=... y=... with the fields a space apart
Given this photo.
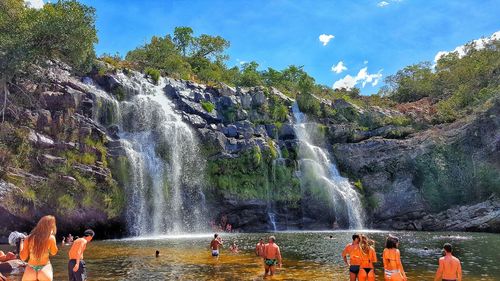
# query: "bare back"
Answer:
x=451 y=267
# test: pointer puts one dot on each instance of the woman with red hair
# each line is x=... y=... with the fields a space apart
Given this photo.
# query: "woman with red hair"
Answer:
x=36 y=249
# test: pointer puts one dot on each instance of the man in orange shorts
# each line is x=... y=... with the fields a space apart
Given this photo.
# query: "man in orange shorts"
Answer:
x=354 y=252
x=449 y=268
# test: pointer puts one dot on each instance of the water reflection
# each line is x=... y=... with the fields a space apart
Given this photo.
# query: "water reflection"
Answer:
x=307 y=256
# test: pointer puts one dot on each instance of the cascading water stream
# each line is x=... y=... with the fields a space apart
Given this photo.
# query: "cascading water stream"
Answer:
x=164 y=189
x=316 y=164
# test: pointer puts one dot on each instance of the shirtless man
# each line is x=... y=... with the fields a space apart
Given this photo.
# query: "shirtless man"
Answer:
x=214 y=245
x=449 y=268
x=354 y=252
x=76 y=266
x=259 y=248
x=272 y=256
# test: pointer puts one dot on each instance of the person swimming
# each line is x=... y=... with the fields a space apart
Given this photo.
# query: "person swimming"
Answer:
x=272 y=256
x=215 y=244
x=393 y=268
x=354 y=252
x=36 y=249
x=368 y=258
x=450 y=268
x=157 y=254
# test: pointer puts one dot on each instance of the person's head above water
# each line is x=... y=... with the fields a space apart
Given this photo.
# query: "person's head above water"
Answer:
x=355 y=238
x=391 y=242
x=157 y=254
x=272 y=239
x=448 y=248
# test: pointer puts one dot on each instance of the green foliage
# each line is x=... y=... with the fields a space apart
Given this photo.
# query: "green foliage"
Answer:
x=411 y=83
x=309 y=104
x=64 y=30
x=449 y=176
x=66 y=203
x=153 y=74
x=359 y=185
x=249 y=177
x=249 y=76
x=208 y=106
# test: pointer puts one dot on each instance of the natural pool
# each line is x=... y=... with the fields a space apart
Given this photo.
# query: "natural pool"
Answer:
x=306 y=256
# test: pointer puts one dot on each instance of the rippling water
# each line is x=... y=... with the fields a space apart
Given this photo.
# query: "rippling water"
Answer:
x=306 y=256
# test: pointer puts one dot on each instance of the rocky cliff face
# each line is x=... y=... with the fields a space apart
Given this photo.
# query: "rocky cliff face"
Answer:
x=60 y=153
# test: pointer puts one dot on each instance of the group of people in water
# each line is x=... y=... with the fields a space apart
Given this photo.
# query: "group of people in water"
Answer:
x=359 y=256
x=37 y=247
x=362 y=256
x=269 y=252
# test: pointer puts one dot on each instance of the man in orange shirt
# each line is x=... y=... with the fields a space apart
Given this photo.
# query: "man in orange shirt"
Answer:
x=449 y=268
x=272 y=256
x=354 y=252
x=76 y=265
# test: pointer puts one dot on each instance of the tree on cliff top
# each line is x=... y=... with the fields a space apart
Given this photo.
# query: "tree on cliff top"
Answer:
x=64 y=30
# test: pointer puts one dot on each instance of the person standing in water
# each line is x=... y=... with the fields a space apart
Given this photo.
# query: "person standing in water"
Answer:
x=354 y=252
x=259 y=248
x=76 y=266
x=449 y=268
x=393 y=268
x=215 y=244
x=36 y=249
x=272 y=256
x=368 y=257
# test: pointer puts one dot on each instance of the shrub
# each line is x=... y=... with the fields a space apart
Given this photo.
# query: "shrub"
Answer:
x=153 y=74
x=208 y=106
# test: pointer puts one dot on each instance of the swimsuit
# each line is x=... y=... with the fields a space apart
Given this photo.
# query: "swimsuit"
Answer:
x=354 y=269
x=271 y=262
x=367 y=270
x=215 y=253
x=449 y=279
x=36 y=267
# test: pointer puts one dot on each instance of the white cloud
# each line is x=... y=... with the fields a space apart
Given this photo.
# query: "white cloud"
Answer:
x=339 y=68
x=478 y=45
x=363 y=77
x=365 y=62
x=37 y=4
x=325 y=38
x=383 y=4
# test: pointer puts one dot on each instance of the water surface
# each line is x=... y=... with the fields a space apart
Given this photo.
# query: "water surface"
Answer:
x=306 y=256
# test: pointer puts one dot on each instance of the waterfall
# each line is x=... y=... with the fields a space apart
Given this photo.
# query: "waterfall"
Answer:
x=317 y=166
x=164 y=190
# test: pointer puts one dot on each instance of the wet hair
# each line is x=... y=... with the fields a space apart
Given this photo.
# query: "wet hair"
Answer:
x=355 y=236
x=89 y=232
x=447 y=247
x=391 y=242
x=215 y=235
x=272 y=238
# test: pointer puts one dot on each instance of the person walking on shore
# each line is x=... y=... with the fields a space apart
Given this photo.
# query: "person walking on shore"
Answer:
x=38 y=246
x=449 y=268
x=272 y=256
x=76 y=266
x=354 y=252
x=393 y=268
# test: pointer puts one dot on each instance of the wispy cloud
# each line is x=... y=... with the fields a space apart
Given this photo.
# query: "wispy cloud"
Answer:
x=37 y=4
x=363 y=77
x=383 y=3
x=478 y=44
x=325 y=38
x=339 y=67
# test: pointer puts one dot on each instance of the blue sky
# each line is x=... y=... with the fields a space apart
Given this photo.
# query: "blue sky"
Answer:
x=383 y=36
